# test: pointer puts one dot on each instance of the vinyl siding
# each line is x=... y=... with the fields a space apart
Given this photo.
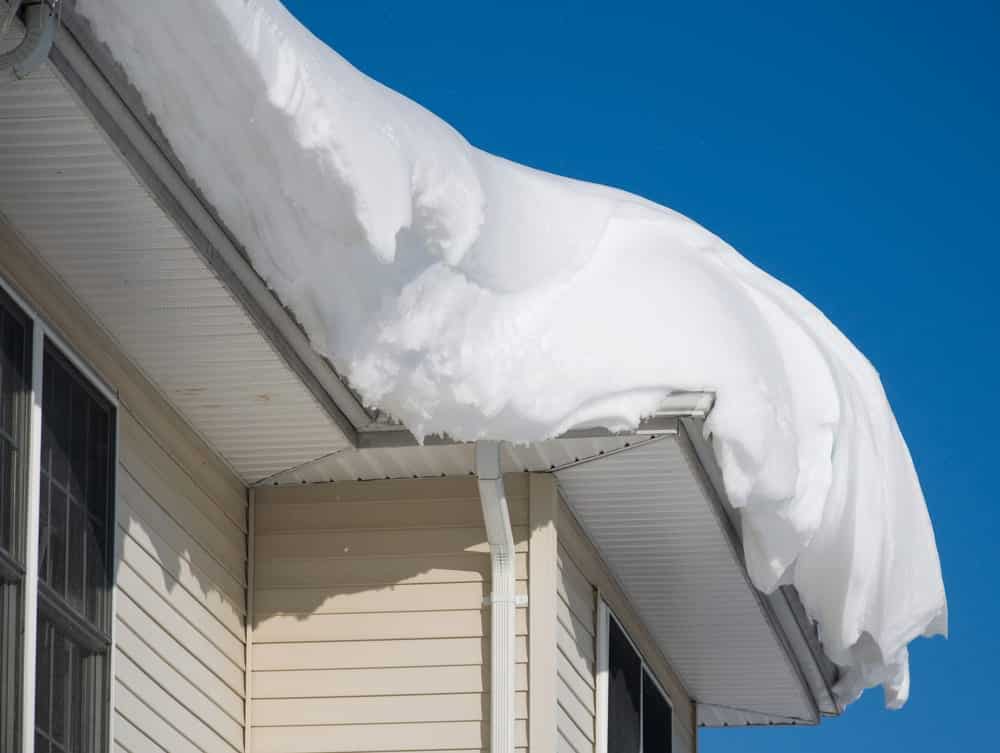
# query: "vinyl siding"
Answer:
x=180 y=574
x=576 y=611
x=369 y=628
x=179 y=622
x=583 y=577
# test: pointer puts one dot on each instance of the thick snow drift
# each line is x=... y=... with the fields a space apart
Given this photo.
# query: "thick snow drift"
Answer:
x=470 y=295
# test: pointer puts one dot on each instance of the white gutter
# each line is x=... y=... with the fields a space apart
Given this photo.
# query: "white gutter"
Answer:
x=503 y=600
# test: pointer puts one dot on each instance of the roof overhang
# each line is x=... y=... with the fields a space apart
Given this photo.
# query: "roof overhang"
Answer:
x=653 y=505
x=168 y=281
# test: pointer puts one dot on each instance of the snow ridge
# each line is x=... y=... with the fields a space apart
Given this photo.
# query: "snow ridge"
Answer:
x=473 y=296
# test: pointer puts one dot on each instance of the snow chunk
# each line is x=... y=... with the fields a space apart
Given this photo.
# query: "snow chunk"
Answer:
x=472 y=296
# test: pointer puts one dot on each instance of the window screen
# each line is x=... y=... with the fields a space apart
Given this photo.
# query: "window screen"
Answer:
x=15 y=395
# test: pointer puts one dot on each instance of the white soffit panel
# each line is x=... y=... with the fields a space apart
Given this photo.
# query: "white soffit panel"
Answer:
x=648 y=514
x=76 y=202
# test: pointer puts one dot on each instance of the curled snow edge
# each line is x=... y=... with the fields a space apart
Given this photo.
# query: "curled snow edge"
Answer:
x=472 y=296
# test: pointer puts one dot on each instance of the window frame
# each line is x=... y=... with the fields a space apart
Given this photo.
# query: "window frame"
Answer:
x=603 y=655
x=43 y=335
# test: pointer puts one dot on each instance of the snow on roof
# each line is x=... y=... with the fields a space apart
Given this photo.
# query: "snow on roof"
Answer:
x=473 y=296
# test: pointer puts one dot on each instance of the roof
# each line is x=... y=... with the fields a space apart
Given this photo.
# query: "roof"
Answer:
x=148 y=256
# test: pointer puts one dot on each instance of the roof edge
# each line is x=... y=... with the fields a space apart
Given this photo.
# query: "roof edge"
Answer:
x=783 y=608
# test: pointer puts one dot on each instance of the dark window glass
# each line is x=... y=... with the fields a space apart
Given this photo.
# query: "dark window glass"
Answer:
x=64 y=692
x=74 y=559
x=624 y=693
x=655 y=718
x=10 y=664
x=15 y=398
x=74 y=552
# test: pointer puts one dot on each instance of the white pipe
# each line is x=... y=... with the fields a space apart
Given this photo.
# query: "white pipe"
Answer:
x=503 y=600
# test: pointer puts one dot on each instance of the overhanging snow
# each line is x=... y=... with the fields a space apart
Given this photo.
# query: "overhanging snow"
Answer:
x=472 y=296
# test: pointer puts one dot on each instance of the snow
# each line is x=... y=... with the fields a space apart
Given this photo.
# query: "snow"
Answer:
x=472 y=296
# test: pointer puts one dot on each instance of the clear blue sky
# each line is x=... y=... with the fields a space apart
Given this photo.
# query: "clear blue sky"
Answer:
x=851 y=149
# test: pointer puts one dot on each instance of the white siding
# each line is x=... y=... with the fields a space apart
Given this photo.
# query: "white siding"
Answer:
x=369 y=628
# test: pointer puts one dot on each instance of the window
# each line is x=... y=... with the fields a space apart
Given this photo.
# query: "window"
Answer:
x=632 y=708
x=57 y=461
x=15 y=399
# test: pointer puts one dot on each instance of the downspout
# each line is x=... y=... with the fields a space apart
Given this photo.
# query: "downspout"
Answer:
x=503 y=600
x=41 y=19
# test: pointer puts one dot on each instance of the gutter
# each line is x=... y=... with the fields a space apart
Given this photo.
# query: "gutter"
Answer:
x=503 y=600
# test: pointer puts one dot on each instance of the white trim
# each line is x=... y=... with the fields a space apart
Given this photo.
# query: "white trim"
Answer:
x=31 y=539
x=601 y=678
x=113 y=632
x=602 y=667
x=251 y=585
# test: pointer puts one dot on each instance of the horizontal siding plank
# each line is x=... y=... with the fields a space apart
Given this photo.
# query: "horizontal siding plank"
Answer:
x=581 y=709
x=456 y=707
x=144 y=551
x=135 y=502
x=570 y=574
x=360 y=654
x=181 y=659
x=354 y=544
x=569 y=649
x=342 y=683
x=228 y=722
x=134 y=558
x=378 y=626
x=583 y=632
x=574 y=710
x=151 y=464
x=396 y=598
x=375 y=738
x=130 y=738
x=579 y=741
x=189 y=724
x=376 y=571
x=374 y=514
x=153 y=725
x=158 y=613
x=190 y=507
x=583 y=604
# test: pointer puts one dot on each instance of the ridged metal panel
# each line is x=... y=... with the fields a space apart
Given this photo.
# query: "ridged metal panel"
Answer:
x=73 y=198
x=655 y=526
x=450 y=460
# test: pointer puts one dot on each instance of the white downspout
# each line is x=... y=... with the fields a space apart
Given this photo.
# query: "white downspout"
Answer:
x=41 y=20
x=503 y=600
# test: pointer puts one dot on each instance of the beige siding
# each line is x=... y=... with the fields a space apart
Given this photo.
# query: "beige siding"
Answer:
x=583 y=577
x=369 y=628
x=575 y=642
x=179 y=627
x=180 y=549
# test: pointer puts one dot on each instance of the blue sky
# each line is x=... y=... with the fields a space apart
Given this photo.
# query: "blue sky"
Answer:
x=851 y=149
